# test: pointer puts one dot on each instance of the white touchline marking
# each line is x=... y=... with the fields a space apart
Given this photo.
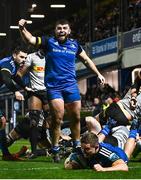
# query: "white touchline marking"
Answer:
x=45 y=168
x=135 y=167
x=28 y=169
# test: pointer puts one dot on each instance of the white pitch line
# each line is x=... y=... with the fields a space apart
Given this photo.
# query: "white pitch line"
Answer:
x=136 y=167
x=28 y=169
x=45 y=168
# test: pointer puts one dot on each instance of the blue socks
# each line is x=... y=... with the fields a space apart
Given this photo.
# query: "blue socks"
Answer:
x=109 y=125
x=134 y=128
x=133 y=133
x=106 y=130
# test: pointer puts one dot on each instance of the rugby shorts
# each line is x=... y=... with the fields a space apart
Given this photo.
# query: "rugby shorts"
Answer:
x=115 y=112
x=68 y=94
x=41 y=94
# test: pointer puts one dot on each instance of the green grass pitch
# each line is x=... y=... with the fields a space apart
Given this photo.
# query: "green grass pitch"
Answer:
x=43 y=168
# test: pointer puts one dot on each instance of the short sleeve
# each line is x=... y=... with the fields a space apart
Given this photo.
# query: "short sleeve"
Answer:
x=7 y=67
x=80 y=49
x=42 y=42
x=114 y=157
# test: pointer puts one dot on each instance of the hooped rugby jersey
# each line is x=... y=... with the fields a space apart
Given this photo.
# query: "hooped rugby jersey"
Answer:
x=36 y=64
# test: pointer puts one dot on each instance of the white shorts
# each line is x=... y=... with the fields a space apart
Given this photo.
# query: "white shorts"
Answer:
x=121 y=133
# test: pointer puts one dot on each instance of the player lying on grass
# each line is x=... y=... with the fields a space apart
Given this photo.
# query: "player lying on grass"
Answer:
x=102 y=156
x=122 y=112
x=3 y=147
x=22 y=130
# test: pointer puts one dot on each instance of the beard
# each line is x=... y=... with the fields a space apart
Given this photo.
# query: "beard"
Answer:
x=62 y=37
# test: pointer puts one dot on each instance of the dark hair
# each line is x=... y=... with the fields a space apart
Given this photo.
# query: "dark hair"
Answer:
x=62 y=22
x=90 y=138
x=19 y=48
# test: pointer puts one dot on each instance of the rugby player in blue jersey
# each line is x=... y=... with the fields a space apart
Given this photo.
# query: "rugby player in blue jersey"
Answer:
x=8 y=70
x=102 y=156
x=60 y=77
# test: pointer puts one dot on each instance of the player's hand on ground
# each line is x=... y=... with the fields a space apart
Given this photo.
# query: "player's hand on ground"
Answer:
x=22 y=23
x=2 y=122
x=98 y=167
x=19 y=96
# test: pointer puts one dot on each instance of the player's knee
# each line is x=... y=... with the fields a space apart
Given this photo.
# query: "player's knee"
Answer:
x=89 y=119
x=92 y=124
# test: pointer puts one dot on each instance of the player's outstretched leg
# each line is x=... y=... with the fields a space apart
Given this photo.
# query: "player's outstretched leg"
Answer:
x=131 y=142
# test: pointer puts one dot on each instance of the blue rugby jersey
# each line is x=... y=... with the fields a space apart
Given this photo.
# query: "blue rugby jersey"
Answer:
x=9 y=65
x=106 y=155
x=60 y=61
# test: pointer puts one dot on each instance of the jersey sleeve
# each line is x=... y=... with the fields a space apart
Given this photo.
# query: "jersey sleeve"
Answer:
x=114 y=157
x=80 y=49
x=7 y=79
x=6 y=67
x=42 y=42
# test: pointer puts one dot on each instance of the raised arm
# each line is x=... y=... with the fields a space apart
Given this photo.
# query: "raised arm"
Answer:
x=26 y=35
x=89 y=63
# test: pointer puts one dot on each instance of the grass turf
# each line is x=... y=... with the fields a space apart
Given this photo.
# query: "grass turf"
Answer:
x=43 y=168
